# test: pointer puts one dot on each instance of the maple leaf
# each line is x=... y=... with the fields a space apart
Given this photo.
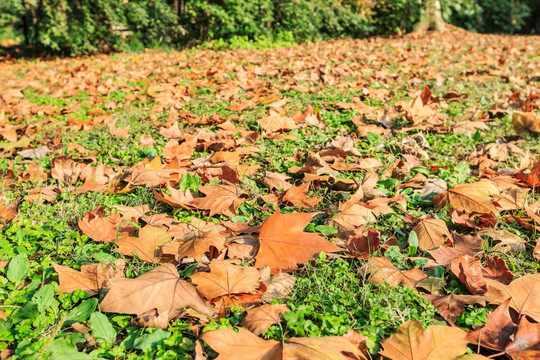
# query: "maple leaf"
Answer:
x=432 y=233
x=147 y=246
x=197 y=246
x=244 y=345
x=284 y=244
x=219 y=199
x=474 y=197
x=275 y=122
x=91 y=279
x=8 y=213
x=472 y=274
x=225 y=278
x=532 y=179
x=177 y=198
x=495 y=334
x=351 y=217
x=436 y=342
x=524 y=291
x=172 y=132
x=276 y=181
x=259 y=319
x=463 y=245
x=451 y=306
x=508 y=242
x=297 y=196
x=278 y=286
x=101 y=228
x=526 y=341
x=65 y=170
x=381 y=270
x=160 y=288
x=364 y=243
x=525 y=121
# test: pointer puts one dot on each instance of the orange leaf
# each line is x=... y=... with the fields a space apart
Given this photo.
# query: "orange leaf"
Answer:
x=436 y=342
x=284 y=244
x=160 y=288
x=225 y=278
x=91 y=279
x=432 y=233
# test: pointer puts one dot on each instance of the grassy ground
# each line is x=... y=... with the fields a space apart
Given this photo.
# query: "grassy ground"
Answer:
x=492 y=75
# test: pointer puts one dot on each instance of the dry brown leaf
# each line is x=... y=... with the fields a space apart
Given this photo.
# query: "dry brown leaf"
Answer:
x=65 y=170
x=101 y=228
x=275 y=122
x=284 y=244
x=381 y=270
x=91 y=279
x=524 y=291
x=298 y=196
x=436 y=342
x=451 y=306
x=364 y=243
x=8 y=213
x=474 y=197
x=432 y=233
x=495 y=334
x=147 y=246
x=197 y=246
x=227 y=279
x=508 y=242
x=219 y=199
x=259 y=319
x=244 y=345
x=278 y=286
x=276 y=181
x=349 y=218
x=463 y=245
x=525 y=121
x=160 y=288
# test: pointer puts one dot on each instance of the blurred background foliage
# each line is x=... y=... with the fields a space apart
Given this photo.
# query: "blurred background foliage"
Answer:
x=72 y=27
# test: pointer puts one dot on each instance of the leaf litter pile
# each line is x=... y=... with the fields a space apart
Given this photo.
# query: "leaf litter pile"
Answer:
x=187 y=204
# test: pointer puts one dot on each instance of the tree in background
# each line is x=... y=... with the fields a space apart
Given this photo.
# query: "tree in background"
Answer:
x=432 y=17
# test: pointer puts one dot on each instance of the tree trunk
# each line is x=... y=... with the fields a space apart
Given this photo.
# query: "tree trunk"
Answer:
x=432 y=18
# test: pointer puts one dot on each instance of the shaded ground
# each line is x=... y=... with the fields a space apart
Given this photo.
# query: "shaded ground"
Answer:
x=130 y=129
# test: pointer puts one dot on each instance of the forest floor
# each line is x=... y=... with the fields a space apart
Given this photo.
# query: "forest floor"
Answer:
x=352 y=199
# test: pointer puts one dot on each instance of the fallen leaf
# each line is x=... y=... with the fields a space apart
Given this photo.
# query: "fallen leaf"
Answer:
x=160 y=288
x=525 y=121
x=91 y=279
x=362 y=245
x=524 y=291
x=197 y=246
x=451 y=306
x=508 y=242
x=259 y=319
x=474 y=197
x=244 y=345
x=276 y=181
x=284 y=244
x=147 y=246
x=495 y=334
x=432 y=233
x=298 y=196
x=219 y=199
x=381 y=270
x=278 y=286
x=101 y=228
x=525 y=344
x=227 y=279
x=436 y=342
x=463 y=245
